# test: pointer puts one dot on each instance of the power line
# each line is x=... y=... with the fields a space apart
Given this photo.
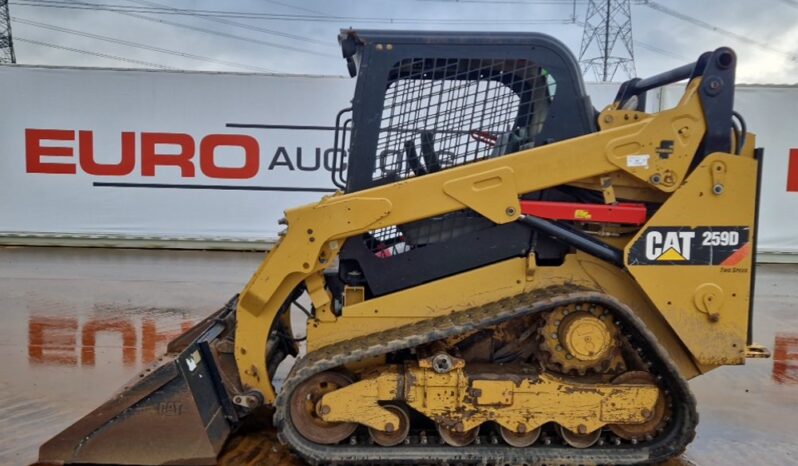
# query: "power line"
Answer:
x=226 y=34
x=96 y=54
x=648 y=46
x=138 y=45
x=156 y=8
x=703 y=24
x=274 y=16
x=511 y=2
x=661 y=51
x=573 y=20
x=288 y=5
x=571 y=3
x=244 y=25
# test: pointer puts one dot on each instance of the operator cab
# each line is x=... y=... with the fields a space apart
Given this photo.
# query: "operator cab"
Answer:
x=429 y=101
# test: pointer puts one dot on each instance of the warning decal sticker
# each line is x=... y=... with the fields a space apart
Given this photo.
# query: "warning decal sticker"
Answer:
x=725 y=246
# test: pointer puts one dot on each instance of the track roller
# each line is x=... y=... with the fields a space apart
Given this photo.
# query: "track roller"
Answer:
x=519 y=439
x=578 y=440
x=396 y=434
x=458 y=439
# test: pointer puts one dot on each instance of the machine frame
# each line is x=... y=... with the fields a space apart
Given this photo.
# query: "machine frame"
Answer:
x=492 y=188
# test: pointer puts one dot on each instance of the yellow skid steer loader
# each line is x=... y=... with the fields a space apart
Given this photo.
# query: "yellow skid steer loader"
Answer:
x=505 y=276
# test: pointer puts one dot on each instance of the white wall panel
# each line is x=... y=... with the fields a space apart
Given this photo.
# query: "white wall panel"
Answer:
x=104 y=107
x=188 y=107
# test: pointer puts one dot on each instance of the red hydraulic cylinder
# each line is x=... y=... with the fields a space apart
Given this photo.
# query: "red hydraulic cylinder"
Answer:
x=623 y=213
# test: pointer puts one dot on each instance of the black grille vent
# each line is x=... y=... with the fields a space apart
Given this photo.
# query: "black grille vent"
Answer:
x=394 y=240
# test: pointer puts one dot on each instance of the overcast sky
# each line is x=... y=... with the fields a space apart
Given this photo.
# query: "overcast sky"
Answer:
x=300 y=36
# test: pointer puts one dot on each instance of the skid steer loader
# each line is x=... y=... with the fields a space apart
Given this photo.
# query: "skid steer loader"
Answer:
x=505 y=276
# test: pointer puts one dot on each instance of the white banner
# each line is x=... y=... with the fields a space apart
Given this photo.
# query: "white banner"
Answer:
x=93 y=152
x=98 y=154
x=768 y=113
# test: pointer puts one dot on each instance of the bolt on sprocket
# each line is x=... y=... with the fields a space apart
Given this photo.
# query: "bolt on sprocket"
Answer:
x=579 y=338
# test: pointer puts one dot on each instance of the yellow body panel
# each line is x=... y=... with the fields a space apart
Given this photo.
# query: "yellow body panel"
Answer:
x=707 y=305
x=441 y=297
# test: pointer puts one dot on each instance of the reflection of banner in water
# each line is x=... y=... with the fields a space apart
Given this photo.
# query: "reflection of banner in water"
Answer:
x=785 y=358
x=53 y=340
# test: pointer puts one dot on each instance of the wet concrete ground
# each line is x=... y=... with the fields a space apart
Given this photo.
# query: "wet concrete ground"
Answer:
x=78 y=323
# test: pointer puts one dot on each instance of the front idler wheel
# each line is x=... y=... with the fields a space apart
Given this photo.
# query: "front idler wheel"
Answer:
x=304 y=408
x=656 y=419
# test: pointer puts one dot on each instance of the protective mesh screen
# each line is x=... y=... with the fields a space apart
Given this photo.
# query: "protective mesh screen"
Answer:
x=440 y=113
x=386 y=242
x=394 y=240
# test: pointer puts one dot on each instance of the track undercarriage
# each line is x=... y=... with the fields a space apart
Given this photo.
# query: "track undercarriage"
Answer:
x=483 y=385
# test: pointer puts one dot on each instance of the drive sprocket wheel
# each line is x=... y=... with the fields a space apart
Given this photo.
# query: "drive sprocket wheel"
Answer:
x=580 y=338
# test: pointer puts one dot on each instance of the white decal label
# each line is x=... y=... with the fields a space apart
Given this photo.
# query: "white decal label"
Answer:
x=670 y=245
x=193 y=360
x=640 y=160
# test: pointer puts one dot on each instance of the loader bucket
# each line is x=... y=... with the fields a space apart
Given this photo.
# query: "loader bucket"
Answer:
x=177 y=412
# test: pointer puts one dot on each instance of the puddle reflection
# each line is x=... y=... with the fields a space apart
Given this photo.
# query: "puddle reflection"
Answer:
x=73 y=341
x=53 y=340
x=134 y=336
x=785 y=358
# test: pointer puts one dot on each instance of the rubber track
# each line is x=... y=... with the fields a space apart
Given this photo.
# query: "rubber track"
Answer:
x=667 y=445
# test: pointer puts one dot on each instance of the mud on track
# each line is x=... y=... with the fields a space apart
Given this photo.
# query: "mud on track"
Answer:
x=255 y=447
x=78 y=323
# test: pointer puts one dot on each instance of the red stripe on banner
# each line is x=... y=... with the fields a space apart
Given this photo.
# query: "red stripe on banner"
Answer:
x=792 y=172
